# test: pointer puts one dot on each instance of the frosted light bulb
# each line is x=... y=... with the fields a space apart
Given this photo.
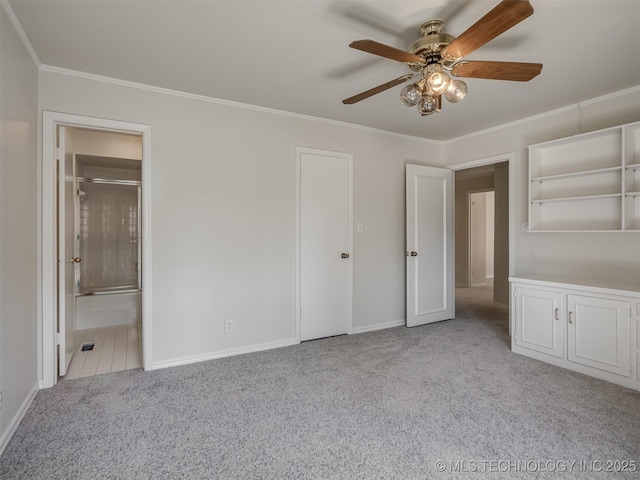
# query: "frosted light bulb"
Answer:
x=437 y=82
x=456 y=91
x=410 y=95
x=428 y=105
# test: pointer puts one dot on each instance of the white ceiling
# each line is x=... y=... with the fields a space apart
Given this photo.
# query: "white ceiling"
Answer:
x=294 y=55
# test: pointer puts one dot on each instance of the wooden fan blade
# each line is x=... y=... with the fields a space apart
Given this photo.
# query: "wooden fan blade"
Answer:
x=503 y=16
x=378 y=89
x=382 y=50
x=515 y=71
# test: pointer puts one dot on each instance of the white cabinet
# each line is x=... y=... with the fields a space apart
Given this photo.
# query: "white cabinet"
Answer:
x=583 y=326
x=599 y=333
x=538 y=324
x=588 y=182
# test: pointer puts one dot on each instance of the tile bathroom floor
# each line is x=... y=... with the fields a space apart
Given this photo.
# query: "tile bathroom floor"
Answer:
x=115 y=348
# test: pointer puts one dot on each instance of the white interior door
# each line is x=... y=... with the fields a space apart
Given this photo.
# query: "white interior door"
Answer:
x=430 y=245
x=477 y=239
x=66 y=255
x=324 y=265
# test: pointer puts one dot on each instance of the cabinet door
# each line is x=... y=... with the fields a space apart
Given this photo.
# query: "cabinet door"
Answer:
x=599 y=333
x=538 y=324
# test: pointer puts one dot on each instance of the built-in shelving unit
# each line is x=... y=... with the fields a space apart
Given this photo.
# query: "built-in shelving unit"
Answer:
x=588 y=182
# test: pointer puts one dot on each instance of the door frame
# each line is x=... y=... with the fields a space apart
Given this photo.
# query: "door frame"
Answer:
x=349 y=158
x=504 y=157
x=469 y=233
x=47 y=328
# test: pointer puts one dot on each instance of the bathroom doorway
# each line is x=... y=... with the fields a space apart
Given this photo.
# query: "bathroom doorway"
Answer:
x=108 y=287
x=99 y=250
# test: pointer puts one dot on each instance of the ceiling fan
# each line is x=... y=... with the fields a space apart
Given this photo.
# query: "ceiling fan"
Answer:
x=436 y=53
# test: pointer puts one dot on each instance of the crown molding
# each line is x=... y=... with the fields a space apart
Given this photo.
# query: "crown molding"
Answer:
x=568 y=108
x=204 y=98
x=23 y=36
x=246 y=106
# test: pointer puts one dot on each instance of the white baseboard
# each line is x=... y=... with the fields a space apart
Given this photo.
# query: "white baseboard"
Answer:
x=378 y=326
x=224 y=353
x=15 y=422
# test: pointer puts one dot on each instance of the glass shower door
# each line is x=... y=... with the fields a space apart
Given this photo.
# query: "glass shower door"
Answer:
x=108 y=236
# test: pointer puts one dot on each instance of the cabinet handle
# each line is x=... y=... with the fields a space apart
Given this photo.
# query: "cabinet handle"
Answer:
x=557 y=314
x=570 y=317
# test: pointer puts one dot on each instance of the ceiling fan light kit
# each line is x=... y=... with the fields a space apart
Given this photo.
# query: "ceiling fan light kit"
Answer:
x=437 y=53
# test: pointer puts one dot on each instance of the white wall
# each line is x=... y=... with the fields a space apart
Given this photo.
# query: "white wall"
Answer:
x=501 y=235
x=223 y=213
x=605 y=256
x=107 y=144
x=490 y=222
x=18 y=222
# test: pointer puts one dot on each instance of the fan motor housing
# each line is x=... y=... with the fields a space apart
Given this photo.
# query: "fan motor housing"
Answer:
x=433 y=41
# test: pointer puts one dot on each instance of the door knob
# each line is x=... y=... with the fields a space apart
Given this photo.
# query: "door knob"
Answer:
x=345 y=255
x=76 y=260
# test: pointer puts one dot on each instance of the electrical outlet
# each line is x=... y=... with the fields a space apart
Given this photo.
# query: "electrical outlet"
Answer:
x=535 y=256
x=524 y=227
x=228 y=326
x=359 y=227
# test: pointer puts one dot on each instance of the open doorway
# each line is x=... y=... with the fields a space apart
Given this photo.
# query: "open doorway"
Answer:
x=95 y=247
x=482 y=234
x=100 y=313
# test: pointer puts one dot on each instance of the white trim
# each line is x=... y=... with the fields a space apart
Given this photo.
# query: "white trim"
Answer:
x=47 y=327
x=378 y=326
x=17 y=418
x=23 y=36
x=349 y=157
x=550 y=113
x=609 y=96
x=204 y=98
x=224 y=353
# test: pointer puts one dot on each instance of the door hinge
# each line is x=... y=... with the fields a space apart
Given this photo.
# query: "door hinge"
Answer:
x=58 y=154
x=58 y=338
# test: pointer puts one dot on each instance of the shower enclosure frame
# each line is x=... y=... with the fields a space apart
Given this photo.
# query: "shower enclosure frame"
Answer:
x=104 y=181
x=48 y=340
